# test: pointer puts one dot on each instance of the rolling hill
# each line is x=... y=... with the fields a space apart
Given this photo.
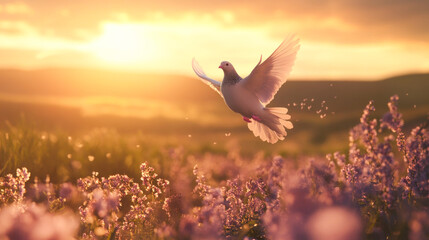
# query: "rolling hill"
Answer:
x=77 y=100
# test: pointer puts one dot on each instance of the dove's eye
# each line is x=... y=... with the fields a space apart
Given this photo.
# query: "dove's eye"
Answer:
x=227 y=64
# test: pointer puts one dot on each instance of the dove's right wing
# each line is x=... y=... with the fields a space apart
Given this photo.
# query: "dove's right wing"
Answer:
x=267 y=77
x=215 y=85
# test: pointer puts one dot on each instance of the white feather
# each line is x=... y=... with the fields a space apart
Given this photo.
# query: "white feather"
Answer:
x=273 y=126
x=267 y=77
x=215 y=85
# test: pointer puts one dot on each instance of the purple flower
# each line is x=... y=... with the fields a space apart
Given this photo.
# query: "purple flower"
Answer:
x=393 y=119
x=417 y=156
x=67 y=191
x=12 y=189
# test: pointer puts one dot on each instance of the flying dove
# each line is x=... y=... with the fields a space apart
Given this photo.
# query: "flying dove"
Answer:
x=249 y=96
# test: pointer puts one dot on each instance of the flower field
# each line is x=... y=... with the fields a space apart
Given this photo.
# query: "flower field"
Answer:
x=378 y=189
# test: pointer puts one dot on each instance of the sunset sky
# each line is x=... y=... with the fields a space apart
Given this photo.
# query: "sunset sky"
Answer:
x=339 y=39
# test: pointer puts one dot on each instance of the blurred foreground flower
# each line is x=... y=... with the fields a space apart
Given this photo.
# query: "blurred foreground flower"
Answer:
x=335 y=223
x=34 y=222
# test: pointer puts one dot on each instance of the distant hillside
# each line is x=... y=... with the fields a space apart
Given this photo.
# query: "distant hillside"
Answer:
x=341 y=95
x=179 y=106
x=351 y=95
x=86 y=82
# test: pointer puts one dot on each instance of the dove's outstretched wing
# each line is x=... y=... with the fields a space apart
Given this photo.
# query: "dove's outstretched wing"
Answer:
x=199 y=71
x=267 y=77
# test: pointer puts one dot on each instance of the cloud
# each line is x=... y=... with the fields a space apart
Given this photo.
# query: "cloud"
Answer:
x=346 y=21
x=387 y=20
x=15 y=28
x=30 y=59
x=362 y=38
x=15 y=8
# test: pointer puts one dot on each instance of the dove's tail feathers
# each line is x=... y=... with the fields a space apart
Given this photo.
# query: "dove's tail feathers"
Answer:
x=264 y=132
x=273 y=125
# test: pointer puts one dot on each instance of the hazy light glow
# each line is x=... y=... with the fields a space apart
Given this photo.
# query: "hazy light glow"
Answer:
x=165 y=44
x=123 y=44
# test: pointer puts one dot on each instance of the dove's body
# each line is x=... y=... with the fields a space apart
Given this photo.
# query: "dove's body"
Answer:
x=241 y=100
x=250 y=95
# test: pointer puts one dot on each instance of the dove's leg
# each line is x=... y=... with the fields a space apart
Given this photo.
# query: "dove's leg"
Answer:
x=246 y=119
x=256 y=118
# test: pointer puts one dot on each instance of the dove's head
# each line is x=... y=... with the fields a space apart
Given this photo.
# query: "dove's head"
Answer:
x=226 y=66
x=230 y=75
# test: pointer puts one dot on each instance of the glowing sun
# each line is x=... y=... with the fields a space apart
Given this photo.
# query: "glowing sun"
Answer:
x=122 y=44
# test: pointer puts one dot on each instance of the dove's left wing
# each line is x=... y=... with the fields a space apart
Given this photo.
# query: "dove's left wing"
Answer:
x=215 y=85
x=267 y=77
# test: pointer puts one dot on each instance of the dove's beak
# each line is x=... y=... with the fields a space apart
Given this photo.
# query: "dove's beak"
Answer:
x=220 y=66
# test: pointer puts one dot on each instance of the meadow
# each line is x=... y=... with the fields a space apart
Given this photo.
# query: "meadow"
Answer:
x=87 y=159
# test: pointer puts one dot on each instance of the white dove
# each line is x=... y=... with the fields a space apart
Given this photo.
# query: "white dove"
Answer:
x=249 y=96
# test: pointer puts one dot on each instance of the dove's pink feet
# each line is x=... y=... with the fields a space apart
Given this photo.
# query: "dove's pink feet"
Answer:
x=246 y=119
x=256 y=118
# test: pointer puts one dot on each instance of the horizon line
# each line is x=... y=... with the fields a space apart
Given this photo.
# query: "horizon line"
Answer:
x=191 y=74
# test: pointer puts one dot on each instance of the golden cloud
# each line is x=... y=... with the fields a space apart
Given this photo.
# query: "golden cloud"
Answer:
x=346 y=21
x=15 y=8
